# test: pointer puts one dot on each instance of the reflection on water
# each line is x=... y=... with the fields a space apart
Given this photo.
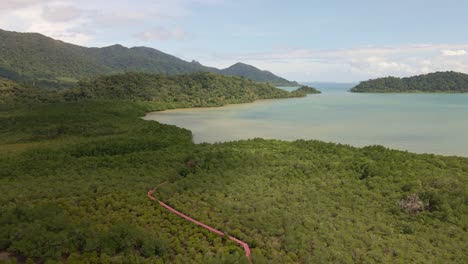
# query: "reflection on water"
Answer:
x=430 y=123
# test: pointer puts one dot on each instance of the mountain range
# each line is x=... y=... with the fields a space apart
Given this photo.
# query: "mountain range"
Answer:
x=43 y=61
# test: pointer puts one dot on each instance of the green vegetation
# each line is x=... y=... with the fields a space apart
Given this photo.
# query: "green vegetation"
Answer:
x=74 y=178
x=439 y=82
x=191 y=90
x=257 y=75
x=6 y=84
x=307 y=90
x=44 y=62
x=12 y=93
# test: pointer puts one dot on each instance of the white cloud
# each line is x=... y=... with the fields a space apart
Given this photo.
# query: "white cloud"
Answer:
x=162 y=34
x=453 y=52
x=15 y=4
x=86 y=22
x=61 y=13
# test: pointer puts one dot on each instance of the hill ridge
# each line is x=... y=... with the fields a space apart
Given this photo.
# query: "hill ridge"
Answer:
x=33 y=57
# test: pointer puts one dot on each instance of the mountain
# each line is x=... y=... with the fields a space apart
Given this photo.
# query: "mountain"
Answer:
x=437 y=82
x=255 y=74
x=43 y=61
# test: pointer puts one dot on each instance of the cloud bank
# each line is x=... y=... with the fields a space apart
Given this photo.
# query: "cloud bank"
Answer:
x=454 y=52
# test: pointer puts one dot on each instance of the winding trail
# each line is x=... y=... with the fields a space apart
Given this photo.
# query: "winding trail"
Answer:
x=240 y=242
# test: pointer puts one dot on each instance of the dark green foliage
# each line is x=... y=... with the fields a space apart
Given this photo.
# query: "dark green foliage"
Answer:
x=6 y=84
x=74 y=177
x=444 y=82
x=12 y=93
x=306 y=90
x=44 y=62
x=307 y=201
x=198 y=89
x=189 y=90
x=257 y=75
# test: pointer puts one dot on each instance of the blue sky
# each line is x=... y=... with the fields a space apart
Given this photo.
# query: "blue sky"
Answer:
x=311 y=40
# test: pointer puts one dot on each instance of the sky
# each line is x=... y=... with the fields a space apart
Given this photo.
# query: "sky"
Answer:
x=303 y=40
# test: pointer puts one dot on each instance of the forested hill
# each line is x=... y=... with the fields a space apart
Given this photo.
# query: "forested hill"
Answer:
x=252 y=73
x=197 y=89
x=43 y=61
x=433 y=82
x=186 y=90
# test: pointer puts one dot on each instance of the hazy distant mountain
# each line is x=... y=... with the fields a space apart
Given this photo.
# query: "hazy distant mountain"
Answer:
x=32 y=57
x=255 y=74
x=330 y=85
x=427 y=83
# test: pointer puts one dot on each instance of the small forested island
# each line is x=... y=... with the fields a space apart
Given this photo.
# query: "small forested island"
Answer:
x=438 y=82
x=307 y=90
x=186 y=90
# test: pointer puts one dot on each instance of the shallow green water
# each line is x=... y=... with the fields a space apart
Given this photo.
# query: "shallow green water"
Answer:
x=423 y=123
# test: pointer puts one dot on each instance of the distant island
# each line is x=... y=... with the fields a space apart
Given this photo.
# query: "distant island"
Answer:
x=41 y=61
x=438 y=82
x=307 y=90
x=77 y=162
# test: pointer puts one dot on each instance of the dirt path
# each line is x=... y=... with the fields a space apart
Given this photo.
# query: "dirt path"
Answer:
x=240 y=242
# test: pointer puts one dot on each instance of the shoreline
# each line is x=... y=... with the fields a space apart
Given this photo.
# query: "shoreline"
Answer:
x=259 y=101
x=165 y=118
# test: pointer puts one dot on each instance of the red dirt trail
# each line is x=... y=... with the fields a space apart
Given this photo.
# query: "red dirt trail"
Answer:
x=240 y=242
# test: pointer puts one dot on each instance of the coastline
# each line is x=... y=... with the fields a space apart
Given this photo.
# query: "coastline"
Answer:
x=259 y=101
x=229 y=126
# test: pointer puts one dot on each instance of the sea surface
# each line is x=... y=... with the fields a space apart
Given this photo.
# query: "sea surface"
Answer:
x=422 y=123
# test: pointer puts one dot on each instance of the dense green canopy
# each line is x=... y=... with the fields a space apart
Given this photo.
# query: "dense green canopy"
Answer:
x=307 y=90
x=198 y=89
x=74 y=177
x=453 y=82
x=189 y=90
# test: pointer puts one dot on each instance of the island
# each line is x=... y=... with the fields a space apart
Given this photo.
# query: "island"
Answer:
x=49 y=63
x=307 y=90
x=438 y=82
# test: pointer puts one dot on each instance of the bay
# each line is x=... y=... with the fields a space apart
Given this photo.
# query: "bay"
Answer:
x=421 y=123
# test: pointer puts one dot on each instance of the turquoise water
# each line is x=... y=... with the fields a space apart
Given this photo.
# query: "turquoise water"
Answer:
x=422 y=123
